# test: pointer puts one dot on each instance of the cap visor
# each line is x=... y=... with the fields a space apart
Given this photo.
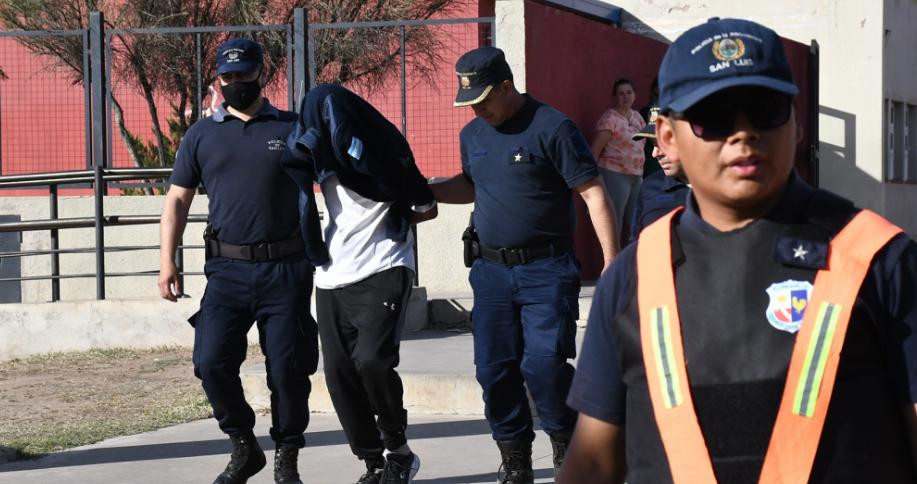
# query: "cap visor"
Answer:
x=685 y=102
x=467 y=97
x=648 y=131
x=237 y=67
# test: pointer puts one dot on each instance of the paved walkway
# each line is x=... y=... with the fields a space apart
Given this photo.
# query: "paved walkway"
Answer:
x=453 y=449
x=438 y=372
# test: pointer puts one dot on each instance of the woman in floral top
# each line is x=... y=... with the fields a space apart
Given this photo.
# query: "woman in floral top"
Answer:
x=620 y=159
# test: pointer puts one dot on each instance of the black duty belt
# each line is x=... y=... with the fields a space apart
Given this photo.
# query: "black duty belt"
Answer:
x=524 y=255
x=257 y=252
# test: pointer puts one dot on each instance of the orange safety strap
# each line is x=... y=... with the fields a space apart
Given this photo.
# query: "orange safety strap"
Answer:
x=664 y=357
x=816 y=354
x=813 y=366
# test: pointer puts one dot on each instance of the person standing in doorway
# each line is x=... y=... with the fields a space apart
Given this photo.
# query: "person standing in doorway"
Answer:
x=619 y=157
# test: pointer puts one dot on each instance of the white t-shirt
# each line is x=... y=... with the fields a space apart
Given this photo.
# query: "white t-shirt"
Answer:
x=355 y=233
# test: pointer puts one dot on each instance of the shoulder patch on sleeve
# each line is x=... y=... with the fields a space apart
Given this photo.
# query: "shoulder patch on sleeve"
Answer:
x=356 y=148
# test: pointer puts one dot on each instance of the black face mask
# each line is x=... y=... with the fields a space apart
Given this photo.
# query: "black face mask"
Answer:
x=240 y=95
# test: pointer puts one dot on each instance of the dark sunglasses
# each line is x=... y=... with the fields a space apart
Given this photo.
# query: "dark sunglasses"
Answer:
x=714 y=117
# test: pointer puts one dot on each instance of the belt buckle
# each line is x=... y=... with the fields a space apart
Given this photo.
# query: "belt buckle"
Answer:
x=521 y=254
x=502 y=252
x=256 y=249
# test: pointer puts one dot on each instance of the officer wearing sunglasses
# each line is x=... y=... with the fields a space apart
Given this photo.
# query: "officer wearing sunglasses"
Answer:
x=765 y=332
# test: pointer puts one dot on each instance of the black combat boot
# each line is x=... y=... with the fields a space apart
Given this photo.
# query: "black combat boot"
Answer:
x=246 y=460
x=517 y=462
x=285 y=469
x=559 y=442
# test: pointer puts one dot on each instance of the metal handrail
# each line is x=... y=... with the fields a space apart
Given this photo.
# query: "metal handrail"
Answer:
x=88 y=222
x=99 y=179
x=91 y=274
x=81 y=176
x=87 y=250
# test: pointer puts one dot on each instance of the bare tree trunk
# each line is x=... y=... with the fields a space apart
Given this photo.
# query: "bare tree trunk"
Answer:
x=136 y=61
x=129 y=141
x=154 y=115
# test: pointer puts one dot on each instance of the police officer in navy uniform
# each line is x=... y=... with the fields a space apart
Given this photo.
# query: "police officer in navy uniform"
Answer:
x=257 y=266
x=766 y=332
x=663 y=189
x=373 y=193
x=522 y=161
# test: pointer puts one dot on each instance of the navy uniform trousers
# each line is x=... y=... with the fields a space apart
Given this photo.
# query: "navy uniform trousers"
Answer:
x=276 y=295
x=524 y=325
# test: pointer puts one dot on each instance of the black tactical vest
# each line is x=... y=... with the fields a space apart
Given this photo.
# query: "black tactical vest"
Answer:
x=737 y=361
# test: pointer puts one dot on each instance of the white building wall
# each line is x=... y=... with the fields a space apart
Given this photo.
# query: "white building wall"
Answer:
x=510 y=37
x=900 y=84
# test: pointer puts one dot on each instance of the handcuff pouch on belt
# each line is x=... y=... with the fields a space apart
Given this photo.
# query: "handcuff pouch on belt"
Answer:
x=208 y=236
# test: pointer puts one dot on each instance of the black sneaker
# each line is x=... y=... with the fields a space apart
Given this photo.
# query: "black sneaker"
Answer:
x=286 y=470
x=400 y=469
x=373 y=473
x=246 y=460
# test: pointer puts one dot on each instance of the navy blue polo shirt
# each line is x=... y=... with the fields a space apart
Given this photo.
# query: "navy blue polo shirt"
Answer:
x=598 y=389
x=523 y=173
x=659 y=194
x=252 y=199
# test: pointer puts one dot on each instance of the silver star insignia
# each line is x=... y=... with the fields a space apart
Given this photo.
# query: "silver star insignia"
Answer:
x=800 y=253
x=517 y=157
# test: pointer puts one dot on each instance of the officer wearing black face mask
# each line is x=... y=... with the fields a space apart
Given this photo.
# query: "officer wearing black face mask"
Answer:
x=258 y=267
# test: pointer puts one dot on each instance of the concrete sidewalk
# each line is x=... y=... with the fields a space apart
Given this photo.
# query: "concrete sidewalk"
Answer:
x=446 y=428
x=453 y=449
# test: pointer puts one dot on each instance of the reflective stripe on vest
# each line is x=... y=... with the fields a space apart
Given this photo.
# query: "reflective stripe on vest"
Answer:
x=813 y=365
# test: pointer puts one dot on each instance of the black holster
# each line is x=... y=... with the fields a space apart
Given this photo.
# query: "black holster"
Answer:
x=208 y=236
x=471 y=245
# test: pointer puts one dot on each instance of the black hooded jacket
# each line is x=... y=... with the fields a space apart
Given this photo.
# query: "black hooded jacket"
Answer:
x=340 y=134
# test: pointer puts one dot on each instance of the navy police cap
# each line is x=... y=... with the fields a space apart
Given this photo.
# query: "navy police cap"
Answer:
x=478 y=71
x=648 y=131
x=720 y=54
x=239 y=55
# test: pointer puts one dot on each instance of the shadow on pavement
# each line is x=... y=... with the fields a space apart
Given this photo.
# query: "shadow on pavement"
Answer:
x=488 y=477
x=174 y=450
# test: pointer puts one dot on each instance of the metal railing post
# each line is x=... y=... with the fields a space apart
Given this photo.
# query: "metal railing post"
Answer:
x=300 y=70
x=310 y=57
x=404 y=132
x=55 y=245
x=198 y=68
x=99 y=145
x=87 y=100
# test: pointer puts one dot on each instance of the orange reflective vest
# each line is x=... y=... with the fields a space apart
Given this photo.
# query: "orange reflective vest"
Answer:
x=813 y=365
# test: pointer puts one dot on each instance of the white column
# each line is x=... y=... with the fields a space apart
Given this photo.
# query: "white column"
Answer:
x=510 y=34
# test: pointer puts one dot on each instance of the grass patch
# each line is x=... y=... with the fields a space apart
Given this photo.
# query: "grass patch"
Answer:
x=62 y=400
x=46 y=437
